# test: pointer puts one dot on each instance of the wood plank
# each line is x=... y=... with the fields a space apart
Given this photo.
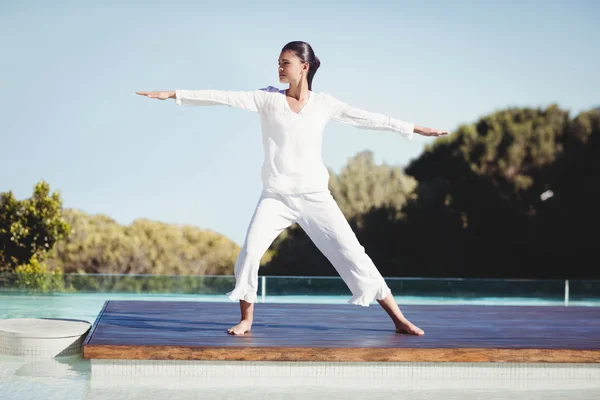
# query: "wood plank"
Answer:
x=340 y=354
x=343 y=332
x=95 y=324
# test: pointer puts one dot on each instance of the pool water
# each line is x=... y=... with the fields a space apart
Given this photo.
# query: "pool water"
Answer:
x=71 y=378
x=86 y=306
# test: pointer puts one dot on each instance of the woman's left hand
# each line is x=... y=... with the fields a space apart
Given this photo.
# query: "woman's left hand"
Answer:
x=429 y=131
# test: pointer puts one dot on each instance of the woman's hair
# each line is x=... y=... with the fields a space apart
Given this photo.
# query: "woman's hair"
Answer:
x=305 y=52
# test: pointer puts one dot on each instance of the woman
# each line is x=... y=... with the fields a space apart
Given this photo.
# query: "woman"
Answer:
x=295 y=179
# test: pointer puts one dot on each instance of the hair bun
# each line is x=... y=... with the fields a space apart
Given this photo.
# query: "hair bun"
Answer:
x=317 y=62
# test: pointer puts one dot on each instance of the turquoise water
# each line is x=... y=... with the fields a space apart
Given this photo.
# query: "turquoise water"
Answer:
x=87 y=306
x=70 y=378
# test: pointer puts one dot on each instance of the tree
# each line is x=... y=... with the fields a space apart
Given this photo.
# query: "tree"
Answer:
x=495 y=173
x=362 y=185
x=568 y=218
x=101 y=245
x=31 y=227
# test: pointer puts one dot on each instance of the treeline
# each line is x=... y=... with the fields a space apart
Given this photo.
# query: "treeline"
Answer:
x=98 y=244
x=72 y=241
x=513 y=195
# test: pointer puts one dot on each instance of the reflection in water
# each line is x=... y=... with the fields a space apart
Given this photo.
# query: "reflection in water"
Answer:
x=45 y=379
x=62 y=367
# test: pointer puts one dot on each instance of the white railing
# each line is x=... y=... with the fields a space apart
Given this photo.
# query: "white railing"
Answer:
x=467 y=288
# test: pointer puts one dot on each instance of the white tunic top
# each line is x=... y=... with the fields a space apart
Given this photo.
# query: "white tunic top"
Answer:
x=292 y=141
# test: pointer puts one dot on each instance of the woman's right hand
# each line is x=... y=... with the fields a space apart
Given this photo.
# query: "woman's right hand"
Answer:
x=159 y=95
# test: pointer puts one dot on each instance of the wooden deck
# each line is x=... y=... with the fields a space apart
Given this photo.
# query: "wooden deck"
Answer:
x=167 y=330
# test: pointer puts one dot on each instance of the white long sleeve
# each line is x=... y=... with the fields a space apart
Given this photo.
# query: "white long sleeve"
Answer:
x=247 y=100
x=292 y=141
x=362 y=119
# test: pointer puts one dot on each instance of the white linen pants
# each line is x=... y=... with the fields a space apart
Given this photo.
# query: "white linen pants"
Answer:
x=321 y=218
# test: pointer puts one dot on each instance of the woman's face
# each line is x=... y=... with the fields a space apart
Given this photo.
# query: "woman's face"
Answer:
x=291 y=68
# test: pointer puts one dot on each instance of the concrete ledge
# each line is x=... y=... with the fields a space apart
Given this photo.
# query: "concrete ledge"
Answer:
x=219 y=376
x=42 y=337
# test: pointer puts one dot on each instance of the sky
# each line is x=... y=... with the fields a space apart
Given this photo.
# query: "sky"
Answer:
x=69 y=71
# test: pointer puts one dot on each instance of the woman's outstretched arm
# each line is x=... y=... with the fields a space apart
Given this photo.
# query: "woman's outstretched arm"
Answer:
x=248 y=100
x=344 y=113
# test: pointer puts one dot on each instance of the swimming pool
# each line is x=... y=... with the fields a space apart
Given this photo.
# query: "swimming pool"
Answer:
x=70 y=377
x=86 y=306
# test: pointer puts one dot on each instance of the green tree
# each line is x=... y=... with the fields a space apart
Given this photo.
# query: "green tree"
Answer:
x=362 y=185
x=99 y=244
x=492 y=175
x=31 y=227
x=565 y=244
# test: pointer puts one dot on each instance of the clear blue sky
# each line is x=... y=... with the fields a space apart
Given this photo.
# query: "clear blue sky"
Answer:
x=69 y=71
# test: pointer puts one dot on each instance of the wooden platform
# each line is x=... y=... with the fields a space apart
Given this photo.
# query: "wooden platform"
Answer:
x=167 y=330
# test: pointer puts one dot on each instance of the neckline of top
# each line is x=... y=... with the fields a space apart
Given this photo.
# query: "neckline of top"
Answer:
x=284 y=92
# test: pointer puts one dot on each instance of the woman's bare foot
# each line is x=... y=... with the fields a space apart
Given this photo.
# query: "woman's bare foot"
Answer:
x=241 y=328
x=402 y=324
x=406 y=326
